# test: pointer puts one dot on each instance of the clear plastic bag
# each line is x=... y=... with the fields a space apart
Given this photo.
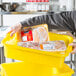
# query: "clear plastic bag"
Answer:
x=45 y=46
x=38 y=33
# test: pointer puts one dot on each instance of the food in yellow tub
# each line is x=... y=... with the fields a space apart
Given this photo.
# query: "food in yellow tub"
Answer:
x=38 y=33
x=45 y=46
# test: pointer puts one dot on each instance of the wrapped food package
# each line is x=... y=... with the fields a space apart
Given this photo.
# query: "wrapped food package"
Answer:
x=53 y=46
x=29 y=44
x=45 y=46
x=38 y=33
x=36 y=37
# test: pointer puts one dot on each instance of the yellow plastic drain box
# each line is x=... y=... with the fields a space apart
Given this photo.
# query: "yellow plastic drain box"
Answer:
x=27 y=69
x=54 y=59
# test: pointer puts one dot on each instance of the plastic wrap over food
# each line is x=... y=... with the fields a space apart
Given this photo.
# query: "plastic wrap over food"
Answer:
x=38 y=33
x=53 y=46
x=33 y=45
x=45 y=46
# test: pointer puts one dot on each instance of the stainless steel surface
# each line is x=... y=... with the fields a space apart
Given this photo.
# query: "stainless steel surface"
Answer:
x=2 y=58
x=3 y=13
x=74 y=70
x=75 y=59
x=1 y=52
x=2 y=29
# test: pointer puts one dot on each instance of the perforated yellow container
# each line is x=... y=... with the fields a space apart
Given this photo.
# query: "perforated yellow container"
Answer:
x=53 y=59
x=27 y=69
